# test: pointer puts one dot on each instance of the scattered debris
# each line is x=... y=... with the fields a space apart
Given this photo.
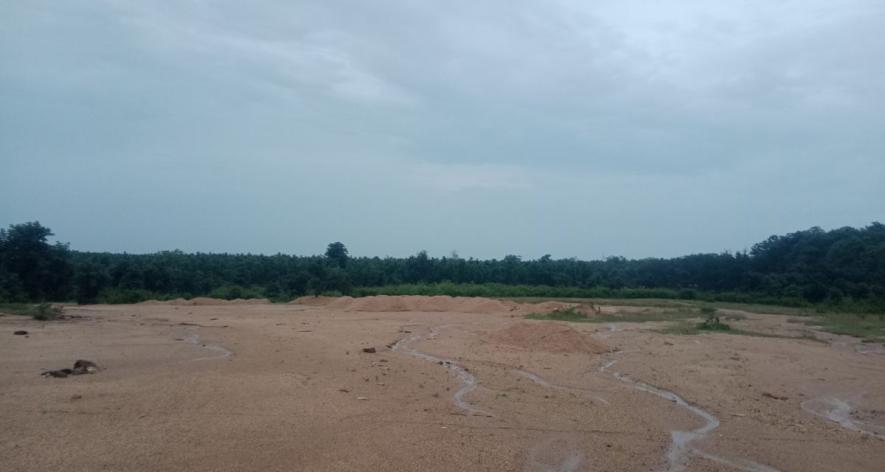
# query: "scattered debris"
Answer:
x=80 y=367
x=773 y=396
x=61 y=373
x=85 y=367
x=369 y=350
x=21 y=333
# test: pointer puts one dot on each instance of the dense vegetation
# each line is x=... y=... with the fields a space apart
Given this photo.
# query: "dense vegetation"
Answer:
x=843 y=266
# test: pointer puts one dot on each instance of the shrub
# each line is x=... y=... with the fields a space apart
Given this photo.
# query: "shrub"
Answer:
x=45 y=312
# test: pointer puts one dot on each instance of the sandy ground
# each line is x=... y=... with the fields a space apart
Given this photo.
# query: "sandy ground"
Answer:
x=288 y=388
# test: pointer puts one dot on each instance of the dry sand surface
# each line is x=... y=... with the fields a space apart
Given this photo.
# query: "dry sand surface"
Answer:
x=454 y=384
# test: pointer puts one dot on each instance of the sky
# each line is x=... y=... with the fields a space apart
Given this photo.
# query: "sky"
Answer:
x=574 y=128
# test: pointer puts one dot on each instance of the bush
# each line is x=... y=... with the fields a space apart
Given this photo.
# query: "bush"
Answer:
x=712 y=322
x=124 y=296
x=45 y=312
x=231 y=292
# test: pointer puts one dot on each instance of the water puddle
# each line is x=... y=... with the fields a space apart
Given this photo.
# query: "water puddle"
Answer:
x=840 y=412
x=219 y=351
x=468 y=380
x=555 y=455
x=681 y=447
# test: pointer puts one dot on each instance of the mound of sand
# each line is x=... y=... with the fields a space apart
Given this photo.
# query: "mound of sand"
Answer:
x=320 y=300
x=388 y=303
x=547 y=307
x=206 y=301
x=439 y=303
x=549 y=337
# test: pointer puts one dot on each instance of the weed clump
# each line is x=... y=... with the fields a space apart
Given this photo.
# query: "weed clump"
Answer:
x=562 y=314
x=45 y=312
x=712 y=321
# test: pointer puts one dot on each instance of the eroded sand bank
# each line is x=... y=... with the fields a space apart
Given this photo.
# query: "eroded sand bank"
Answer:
x=288 y=387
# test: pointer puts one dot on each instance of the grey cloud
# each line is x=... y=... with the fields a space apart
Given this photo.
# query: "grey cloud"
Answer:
x=575 y=128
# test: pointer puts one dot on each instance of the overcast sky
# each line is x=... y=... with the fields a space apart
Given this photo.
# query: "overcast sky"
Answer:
x=576 y=128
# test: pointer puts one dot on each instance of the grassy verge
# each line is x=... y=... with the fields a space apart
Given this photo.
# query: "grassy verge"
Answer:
x=690 y=329
x=575 y=315
x=870 y=328
x=638 y=302
x=41 y=311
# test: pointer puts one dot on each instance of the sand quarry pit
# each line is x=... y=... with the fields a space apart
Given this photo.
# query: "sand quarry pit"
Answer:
x=453 y=384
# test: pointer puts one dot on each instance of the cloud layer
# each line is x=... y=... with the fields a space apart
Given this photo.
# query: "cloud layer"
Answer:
x=572 y=128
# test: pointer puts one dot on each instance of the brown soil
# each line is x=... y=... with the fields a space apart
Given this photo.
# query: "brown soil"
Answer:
x=548 y=337
x=441 y=303
x=282 y=387
x=206 y=301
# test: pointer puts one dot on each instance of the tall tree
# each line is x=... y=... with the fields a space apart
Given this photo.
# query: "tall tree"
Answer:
x=30 y=266
x=337 y=254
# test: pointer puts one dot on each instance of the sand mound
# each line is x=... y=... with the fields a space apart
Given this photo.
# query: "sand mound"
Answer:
x=439 y=303
x=547 y=336
x=206 y=301
x=309 y=300
x=388 y=303
x=547 y=307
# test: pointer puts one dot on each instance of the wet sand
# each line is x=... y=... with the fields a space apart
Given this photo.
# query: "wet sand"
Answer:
x=288 y=387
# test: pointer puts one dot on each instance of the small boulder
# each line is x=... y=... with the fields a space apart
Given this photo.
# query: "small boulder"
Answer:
x=84 y=367
x=59 y=374
x=80 y=367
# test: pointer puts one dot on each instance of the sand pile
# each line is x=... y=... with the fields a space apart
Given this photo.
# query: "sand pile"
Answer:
x=388 y=303
x=206 y=301
x=549 y=337
x=547 y=307
x=311 y=300
x=439 y=303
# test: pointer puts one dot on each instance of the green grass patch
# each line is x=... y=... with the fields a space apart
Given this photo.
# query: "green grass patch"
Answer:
x=566 y=314
x=636 y=302
x=869 y=327
x=576 y=315
x=40 y=311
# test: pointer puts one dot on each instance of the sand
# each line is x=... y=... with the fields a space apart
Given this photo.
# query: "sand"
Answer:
x=206 y=301
x=440 y=303
x=548 y=337
x=282 y=387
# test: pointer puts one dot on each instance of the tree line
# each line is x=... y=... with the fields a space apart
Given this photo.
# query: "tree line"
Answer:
x=810 y=266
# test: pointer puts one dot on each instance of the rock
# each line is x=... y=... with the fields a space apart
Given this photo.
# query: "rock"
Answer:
x=362 y=398
x=20 y=333
x=84 y=367
x=59 y=374
x=80 y=367
x=369 y=350
x=773 y=396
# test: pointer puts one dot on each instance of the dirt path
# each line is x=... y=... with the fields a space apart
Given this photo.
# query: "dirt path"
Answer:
x=283 y=387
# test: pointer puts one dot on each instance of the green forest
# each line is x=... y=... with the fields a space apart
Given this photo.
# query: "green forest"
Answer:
x=842 y=267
